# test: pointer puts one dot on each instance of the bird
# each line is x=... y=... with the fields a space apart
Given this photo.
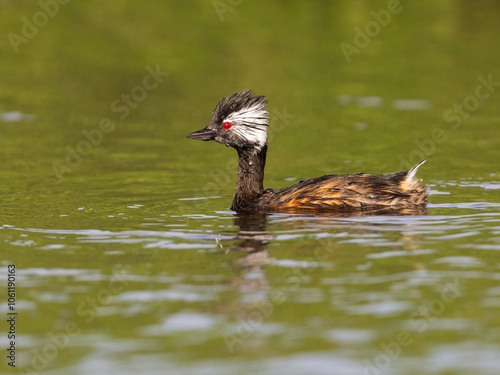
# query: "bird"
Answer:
x=240 y=121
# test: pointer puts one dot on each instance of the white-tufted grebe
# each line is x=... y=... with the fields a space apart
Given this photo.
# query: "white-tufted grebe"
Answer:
x=241 y=121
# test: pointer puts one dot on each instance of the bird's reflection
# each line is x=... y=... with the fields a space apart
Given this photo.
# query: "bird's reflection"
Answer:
x=254 y=242
x=261 y=292
x=252 y=230
x=253 y=238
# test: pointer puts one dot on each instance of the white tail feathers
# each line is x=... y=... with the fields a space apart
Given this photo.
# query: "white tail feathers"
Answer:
x=410 y=183
x=413 y=171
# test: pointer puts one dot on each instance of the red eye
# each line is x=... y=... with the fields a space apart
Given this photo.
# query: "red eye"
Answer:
x=226 y=125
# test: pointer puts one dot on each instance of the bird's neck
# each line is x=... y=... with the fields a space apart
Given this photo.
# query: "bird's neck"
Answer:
x=250 y=181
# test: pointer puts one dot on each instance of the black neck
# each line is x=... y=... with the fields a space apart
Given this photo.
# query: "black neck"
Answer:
x=250 y=181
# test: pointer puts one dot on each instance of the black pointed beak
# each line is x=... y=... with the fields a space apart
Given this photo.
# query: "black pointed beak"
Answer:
x=204 y=134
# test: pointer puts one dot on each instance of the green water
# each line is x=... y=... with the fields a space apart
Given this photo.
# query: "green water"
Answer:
x=127 y=257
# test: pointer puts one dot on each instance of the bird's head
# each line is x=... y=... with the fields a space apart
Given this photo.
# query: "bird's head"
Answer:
x=239 y=121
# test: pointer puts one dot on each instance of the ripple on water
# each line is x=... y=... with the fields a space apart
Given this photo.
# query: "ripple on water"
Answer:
x=183 y=321
x=398 y=253
x=380 y=308
x=163 y=295
x=459 y=261
x=349 y=336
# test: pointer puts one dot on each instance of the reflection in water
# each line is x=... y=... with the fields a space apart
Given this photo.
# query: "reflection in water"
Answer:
x=262 y=291
x=254 y=241
x=252 y=232
x=255 y=238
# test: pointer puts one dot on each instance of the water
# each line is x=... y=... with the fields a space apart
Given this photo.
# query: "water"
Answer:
x=127 y=257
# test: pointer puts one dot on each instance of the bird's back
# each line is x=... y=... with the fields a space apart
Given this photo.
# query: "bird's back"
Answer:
x=353 y=192
x=347 y=192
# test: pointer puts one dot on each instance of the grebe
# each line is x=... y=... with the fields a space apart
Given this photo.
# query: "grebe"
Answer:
x=240 y=121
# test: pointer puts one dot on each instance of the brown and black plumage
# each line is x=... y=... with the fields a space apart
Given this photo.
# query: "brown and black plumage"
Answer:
x=240 y=121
